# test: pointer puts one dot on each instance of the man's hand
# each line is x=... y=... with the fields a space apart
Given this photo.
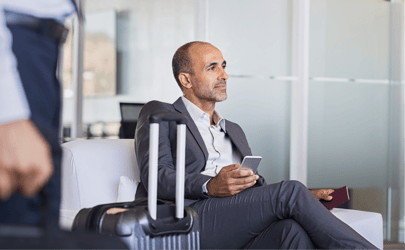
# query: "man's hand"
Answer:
x=116 y=210
x=231 y=181
x=25 y=159
x=323 y=194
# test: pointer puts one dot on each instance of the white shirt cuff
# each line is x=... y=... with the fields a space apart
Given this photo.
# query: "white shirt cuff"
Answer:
x=204 y=187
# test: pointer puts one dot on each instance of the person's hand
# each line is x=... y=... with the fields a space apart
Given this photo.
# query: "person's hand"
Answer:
x=231 y=181
x=116 y=210
x=25 y=159
x=323 y=194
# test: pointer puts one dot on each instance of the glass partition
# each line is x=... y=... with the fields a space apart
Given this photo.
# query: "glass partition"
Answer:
x=355 y=122
x=349 y=39
x=258 y=52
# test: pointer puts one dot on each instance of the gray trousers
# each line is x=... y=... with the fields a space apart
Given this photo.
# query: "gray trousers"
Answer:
x=283 y=215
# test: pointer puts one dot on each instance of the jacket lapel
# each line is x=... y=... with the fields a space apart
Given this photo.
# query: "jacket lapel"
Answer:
x=180 y=107
x=238 y=139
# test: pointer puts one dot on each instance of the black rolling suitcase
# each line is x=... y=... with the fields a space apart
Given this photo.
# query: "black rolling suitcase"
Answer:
x=47 y=235
x=148 y=223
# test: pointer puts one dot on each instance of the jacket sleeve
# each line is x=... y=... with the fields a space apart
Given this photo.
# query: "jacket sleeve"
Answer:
x=166 y=162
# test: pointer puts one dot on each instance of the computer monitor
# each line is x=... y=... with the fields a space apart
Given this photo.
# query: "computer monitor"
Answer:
x=130 y=111
x=129 y=117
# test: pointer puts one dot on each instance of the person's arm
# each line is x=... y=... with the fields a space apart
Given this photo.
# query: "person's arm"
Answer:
x=25 y=157
x=166 y=164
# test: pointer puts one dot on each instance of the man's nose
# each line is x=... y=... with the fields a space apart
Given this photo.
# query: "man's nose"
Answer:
x=224 y=75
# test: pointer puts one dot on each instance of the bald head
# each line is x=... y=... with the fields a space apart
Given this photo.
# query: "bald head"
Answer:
x=183 y=60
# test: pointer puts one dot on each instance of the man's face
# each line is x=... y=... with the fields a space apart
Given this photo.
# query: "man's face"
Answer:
x=209 y=77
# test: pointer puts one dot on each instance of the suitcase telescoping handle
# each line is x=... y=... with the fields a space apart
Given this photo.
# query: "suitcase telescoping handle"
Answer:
x=154 y=120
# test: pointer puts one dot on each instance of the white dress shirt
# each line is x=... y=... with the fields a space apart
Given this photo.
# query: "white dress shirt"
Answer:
x=221 y=151
x=13 y=102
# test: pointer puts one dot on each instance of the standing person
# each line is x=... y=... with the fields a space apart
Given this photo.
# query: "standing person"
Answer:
x=236 y=207
x=30 y=154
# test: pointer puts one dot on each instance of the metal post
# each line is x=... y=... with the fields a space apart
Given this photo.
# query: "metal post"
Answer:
x=59 y=74
x=78 y=47
x=389 y=216
x=299 y=93
x=396 y=135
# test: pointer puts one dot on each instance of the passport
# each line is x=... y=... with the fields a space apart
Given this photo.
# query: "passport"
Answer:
x=340 y=196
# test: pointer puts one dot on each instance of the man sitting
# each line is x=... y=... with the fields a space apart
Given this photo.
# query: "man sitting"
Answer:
x=237 y=209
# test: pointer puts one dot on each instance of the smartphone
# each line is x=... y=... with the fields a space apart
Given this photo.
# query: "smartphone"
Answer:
x=251 y=162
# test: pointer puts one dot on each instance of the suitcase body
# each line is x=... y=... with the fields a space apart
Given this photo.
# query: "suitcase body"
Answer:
x=138 y=230
x=148 y=223
x=47 y=235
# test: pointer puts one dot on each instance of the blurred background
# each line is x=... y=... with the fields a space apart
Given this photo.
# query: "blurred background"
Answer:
x=317 y=85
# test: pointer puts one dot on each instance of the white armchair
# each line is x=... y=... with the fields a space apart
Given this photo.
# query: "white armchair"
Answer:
x=92 y=174
x=105 y=171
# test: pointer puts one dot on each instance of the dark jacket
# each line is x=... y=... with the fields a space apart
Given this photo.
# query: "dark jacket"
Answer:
x=196 y=153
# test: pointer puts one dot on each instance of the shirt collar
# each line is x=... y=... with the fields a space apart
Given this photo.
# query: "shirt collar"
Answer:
x=219 y=120
x=196 y=113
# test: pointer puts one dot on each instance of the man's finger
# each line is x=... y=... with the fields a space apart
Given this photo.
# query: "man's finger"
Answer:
x=246 y=180
x=116 y=210
x=40 y=169
x=327 y=194
x=230 y=168
x=32 y=183
x=327 y=198
x=7 y=184
x=242 y=173
x=242 y=187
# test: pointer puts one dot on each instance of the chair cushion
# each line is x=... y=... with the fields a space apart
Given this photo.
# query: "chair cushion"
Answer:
x=127 y=189
x=91 y=170
x=367 y=224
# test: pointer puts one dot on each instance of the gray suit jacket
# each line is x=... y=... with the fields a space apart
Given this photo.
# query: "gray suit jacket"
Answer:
x=196 y=153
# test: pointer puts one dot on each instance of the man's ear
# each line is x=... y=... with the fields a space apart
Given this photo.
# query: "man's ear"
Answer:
x=185 y=80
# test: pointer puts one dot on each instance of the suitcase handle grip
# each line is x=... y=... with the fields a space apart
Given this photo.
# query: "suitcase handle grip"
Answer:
x=168 y=117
